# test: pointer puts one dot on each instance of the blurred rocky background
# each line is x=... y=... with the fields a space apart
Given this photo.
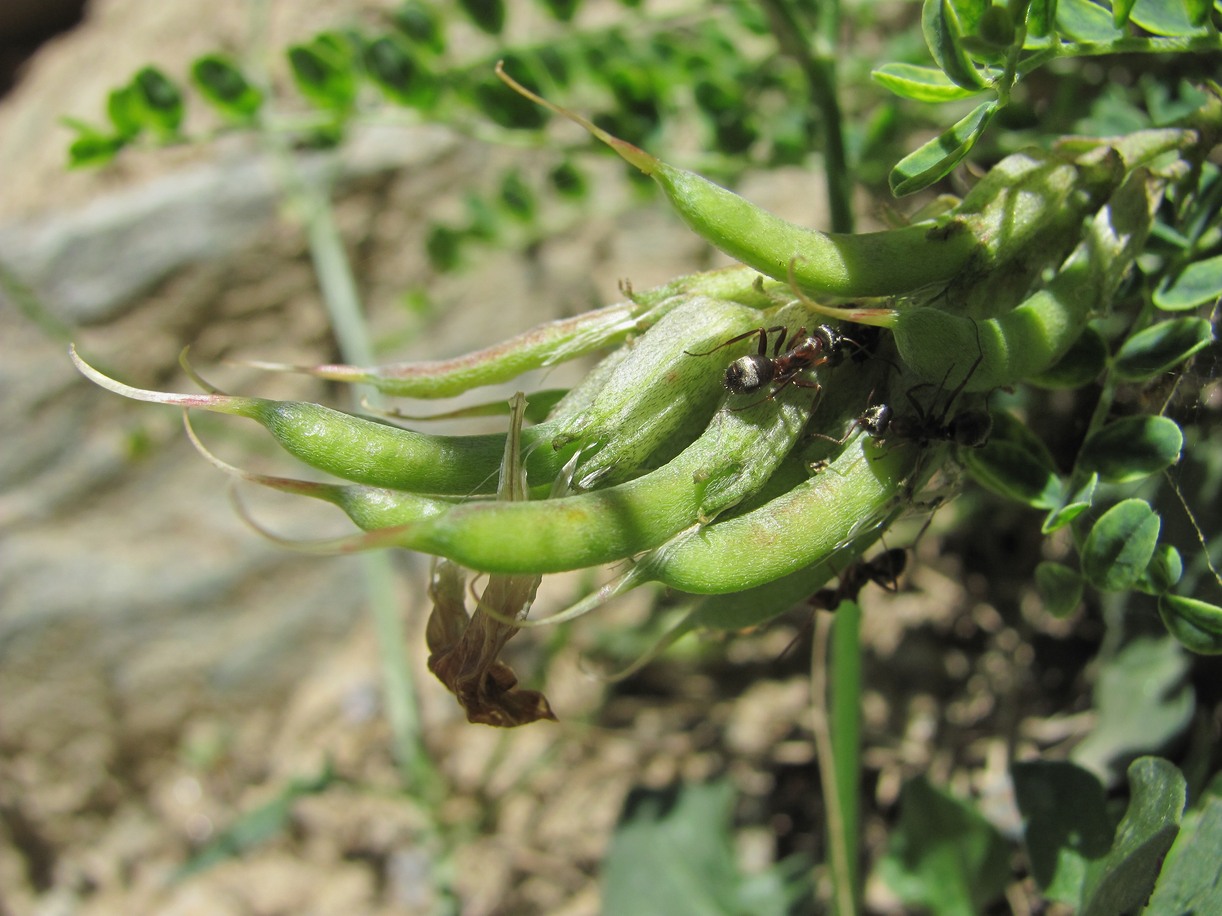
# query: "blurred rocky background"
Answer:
x=191 y=718
x=163 y=669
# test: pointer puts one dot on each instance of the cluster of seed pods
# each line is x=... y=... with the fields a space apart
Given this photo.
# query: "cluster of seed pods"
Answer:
x=716 y=483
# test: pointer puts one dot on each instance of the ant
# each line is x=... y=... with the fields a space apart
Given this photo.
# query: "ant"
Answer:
x=925 y=425
x=748 y=374
x=967 y=428
x=884 y=570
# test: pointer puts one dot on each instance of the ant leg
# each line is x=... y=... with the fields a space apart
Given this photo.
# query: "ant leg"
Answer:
x=853 y=425
x=799 y=335
x=971 y=370
x=763 y=340
x=801 y=383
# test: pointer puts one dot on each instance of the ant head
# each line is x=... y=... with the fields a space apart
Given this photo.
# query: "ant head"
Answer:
x=971 y=428
x=888 y=566
x=833 y=343
x=876 y=420
x=748 y=374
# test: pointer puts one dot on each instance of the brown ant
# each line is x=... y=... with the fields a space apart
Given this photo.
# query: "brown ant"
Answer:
x=748 y=374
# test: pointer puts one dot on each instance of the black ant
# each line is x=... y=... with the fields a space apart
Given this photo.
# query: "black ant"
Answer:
x=968 y=428
x=748 y=374
x=884 y=570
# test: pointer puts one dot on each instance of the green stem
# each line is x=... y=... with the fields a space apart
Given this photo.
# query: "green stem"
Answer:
x=347 y=318
x=819 y=71
x=1128 y=45
x=845 y=727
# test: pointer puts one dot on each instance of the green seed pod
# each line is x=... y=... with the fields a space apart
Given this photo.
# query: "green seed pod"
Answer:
x=657 y=392
x=867 y=264
x=367 y=451
x=853 y=496
x=1023 y=342
x=371 y=508
x=1081 y=364
x=1032 y=337
x=547 y=344
x=851 y=265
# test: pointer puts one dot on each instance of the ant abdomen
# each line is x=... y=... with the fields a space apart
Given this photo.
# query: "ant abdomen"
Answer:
x=971 y=428
x=749 y=374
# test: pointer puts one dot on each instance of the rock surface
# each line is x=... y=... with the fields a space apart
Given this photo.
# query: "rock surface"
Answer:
x=162 y=667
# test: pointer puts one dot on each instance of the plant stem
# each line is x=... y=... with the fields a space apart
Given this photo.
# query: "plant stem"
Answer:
x=820 y=73
x=845 y=706
x=836 y=735
x=343 y=305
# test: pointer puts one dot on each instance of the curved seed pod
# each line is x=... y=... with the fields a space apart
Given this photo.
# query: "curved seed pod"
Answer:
x=851 y=265
x=1027 y=212
x=852 y=497
x=658 y=391
x=366 y=451
x=371 y=508
x=1030 y=338
x=582 y=395
x=547 y=344
x=734 y=611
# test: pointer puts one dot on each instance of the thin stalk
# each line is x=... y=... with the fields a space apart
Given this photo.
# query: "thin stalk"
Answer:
x=845 y=707
x=343 y=304
x=1125 y=45
x=819 y=70
x=836 y=752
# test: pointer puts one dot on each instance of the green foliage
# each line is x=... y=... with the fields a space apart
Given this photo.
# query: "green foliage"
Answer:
x=673 y=852
x=943 y=856
x=1122 y=880
x=1080 y=857
x=1059 y=586
x=1132 y=448
x=1051 y=279
x=403 y=76
x=323 y=70
x=1016 y=464
x=750 y=108
x=1199 y=283
x=980 y=49
x=488 y=15
x=1196 y=624
x=1161 y=347
x=1189 y=881
x=1142 y=703
x=1120 y=546
x=225 y=87
x=421 y=25
x=1066 y=824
